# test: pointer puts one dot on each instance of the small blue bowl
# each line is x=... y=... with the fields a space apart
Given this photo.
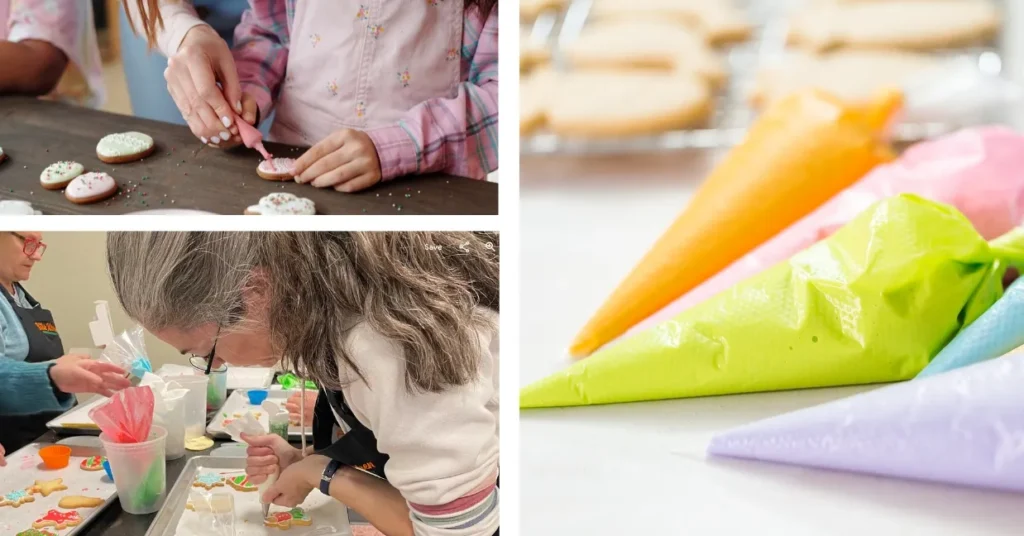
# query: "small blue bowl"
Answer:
x=106 y=467
x=257 y=396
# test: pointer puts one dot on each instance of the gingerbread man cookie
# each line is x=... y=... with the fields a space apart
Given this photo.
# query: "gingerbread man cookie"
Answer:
x=285 y=520
x=241 y=483
x=72 y=502
x=58 y=520
x=16 y=498
x=208 y=481
x=93 y=464
x=46 y=487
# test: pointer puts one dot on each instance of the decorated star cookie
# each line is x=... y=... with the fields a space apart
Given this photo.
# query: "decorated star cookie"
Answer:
x=16 y=498
x=284 y=520
x=46 y=487
x=93 y=464
x=58 y=520
x=282 y=204
x=208 y=481
x=241 y=483
x=35 y=532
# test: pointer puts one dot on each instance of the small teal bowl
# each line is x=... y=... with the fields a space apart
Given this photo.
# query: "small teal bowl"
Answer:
x=257 y=396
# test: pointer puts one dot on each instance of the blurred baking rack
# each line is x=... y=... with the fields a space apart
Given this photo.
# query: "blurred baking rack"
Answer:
x=733 y=113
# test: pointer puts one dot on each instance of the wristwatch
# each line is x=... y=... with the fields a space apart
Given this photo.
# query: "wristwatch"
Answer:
x=325 y=479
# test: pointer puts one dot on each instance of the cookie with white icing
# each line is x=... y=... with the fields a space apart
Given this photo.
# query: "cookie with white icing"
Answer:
x=277 y=169
x=58 y=175
x=90 y=188
x=282 y=204
x=15 y=207
x=125 y=147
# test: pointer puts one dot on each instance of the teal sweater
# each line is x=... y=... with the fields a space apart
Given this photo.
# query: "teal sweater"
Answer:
x=25 y=388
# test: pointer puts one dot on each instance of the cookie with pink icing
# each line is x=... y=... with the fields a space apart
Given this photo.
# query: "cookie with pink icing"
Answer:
x=90 y=188
x=58 y=175
x=277 y=169
x=282 y=204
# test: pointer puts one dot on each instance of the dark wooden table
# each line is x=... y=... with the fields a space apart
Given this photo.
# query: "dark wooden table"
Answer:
x=184 y=174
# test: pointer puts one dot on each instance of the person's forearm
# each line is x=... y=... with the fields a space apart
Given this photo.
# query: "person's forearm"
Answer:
x=26 y=388
x=374 y=499
x=31 y=67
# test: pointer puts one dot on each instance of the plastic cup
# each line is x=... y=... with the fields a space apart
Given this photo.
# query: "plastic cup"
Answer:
x=140 y=471
x=257 y=396
x=55 y=456
x=217 y=390
x=279 y=425
x=173 y=420
x=195 y=403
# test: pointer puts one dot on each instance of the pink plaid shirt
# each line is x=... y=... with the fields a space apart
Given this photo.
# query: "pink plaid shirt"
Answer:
x=66 y=25
x=283 y=53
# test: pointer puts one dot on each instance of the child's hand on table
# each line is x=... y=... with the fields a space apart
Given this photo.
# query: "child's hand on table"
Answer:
x=192 y=75
x=296 y=482
x=266 y=455
x=3 y=460
x=346 y=161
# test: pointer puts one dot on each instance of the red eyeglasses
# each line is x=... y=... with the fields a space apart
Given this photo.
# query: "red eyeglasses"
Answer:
x=31 y=246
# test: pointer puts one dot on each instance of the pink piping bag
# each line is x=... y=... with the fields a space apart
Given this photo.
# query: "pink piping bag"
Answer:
x=977 y=170
x=963 y=427
x=252 y=137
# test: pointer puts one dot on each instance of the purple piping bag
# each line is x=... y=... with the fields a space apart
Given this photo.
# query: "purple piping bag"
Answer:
x=963 y=427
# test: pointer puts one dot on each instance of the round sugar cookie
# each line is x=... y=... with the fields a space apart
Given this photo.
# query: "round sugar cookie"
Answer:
x=198 y=443
x=125 y=147
x=94 y=463
x=58 y=175
x=282 y=204
x=605 y=104
x=90 y=188
x=277 y=169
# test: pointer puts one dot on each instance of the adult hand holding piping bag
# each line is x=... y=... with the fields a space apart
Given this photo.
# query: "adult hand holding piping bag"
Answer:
x=386 y=407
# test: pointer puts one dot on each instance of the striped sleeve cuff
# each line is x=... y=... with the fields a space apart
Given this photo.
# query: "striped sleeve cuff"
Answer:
x=479 y=510
x=397 y=149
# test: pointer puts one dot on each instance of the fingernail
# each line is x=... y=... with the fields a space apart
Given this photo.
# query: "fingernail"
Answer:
x=238 y=106
x=215 y=140
x=224 y=135
x=205 y=141
x=226 y=120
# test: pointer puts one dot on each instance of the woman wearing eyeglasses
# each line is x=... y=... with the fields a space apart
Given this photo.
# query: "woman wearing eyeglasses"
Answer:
x=37 y=380
x=400 y=331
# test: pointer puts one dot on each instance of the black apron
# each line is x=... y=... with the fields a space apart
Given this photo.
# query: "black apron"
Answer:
x=44 y=344
x=357 y=448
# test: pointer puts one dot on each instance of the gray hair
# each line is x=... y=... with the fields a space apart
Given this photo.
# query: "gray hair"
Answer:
x=422 y=290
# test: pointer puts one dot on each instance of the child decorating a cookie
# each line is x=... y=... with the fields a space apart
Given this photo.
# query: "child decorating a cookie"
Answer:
x=378 y=90
x=399 y=330
x=49 y=48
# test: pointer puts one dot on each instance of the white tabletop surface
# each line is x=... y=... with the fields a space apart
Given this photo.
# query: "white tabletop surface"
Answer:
x=640 y=468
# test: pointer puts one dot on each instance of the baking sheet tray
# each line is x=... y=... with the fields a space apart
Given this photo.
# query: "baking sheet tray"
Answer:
x=25 y=466
x=328 y=516
x=76 y=420
x=238 y=403
x=733 y=113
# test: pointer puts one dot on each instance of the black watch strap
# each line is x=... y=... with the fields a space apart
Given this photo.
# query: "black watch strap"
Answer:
x=325 y=479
